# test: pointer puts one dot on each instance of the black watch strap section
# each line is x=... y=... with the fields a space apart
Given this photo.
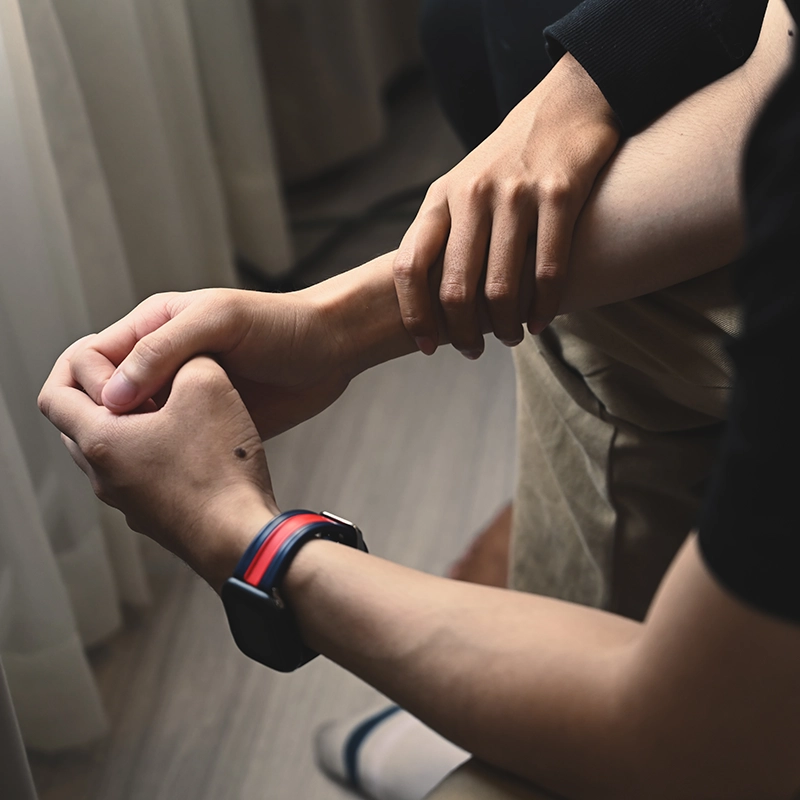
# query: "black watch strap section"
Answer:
x=263 y=628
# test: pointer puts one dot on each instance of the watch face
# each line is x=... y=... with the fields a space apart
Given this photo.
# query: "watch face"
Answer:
x=262 y=630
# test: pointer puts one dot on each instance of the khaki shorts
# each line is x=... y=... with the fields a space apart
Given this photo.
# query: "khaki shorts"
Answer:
x=619 y=415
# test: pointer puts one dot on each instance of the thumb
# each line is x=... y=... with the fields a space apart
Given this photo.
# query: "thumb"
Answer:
x=202 y=394
x=155 y=359
x=201 y=371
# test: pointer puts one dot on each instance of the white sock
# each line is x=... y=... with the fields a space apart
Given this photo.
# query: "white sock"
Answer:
x=386 y=754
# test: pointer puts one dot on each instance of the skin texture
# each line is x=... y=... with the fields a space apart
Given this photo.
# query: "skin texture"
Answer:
x=495 y=235
x=154 y=467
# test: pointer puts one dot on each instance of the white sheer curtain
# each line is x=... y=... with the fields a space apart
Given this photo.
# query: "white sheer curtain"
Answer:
x=110 y=189
x=136 y=156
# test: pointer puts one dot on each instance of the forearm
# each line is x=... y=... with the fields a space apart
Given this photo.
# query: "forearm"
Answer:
x=526 y=683
x=668 y=206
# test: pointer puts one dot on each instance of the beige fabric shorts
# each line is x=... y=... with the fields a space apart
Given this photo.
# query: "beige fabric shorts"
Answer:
x=619 y=414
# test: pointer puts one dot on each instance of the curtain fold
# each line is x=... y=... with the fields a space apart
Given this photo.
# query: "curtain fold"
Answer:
x=15 y=775
x=61 y=582
x=135 y=67
x=52 y=686
x=240 y=123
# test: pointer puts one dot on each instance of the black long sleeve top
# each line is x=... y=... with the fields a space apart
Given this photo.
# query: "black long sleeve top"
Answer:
x=646 y=55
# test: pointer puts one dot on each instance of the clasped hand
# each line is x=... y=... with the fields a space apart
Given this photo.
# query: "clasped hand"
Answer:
x=186 y=465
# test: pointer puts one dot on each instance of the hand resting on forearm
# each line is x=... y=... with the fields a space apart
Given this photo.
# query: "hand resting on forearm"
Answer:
x=666 y=209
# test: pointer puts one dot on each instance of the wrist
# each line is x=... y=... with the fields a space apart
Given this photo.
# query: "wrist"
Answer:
x=304 y=583
x=584 y=90
x=362 y=316
x=228 y=528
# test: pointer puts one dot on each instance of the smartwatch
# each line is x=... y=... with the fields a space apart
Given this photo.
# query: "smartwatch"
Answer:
x=262 y=626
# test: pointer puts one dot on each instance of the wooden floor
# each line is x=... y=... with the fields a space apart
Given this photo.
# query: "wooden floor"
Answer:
x=420 y=452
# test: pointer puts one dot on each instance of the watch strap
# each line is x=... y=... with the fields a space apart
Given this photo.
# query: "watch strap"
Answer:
x=259 y=539
x=262 y=626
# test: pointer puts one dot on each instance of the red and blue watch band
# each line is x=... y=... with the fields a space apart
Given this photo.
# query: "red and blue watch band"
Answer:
x=262 y=626
x=267 y=557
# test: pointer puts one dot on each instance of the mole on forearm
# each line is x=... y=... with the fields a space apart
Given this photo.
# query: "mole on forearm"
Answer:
x=240 y=452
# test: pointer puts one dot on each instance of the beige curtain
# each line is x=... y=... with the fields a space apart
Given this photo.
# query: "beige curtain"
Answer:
x=136 y=156
x=110 y=189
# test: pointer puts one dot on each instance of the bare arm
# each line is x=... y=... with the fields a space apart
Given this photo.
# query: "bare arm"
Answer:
x=699 y=701
x=668 y=207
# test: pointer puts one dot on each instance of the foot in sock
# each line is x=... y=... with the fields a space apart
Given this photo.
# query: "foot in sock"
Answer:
x=386 y=754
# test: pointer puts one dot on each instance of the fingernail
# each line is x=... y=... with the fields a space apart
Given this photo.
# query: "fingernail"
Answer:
x=511 y=342
x=426 y=345
x=472 y=355
x=538 y=325
x=119 y=391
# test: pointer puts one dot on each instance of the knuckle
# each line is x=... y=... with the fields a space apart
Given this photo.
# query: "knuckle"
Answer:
x=475 y=188
x=515 y=193
x=84 y=343
x=557 y=190
x=83 y=351
x=157 y=302
x=436 y=189
x=434 y=202
x=415 y=323
x=43 y=402
x=454 y=295
x=548 y=272
x=220 y=312
x=160 y=299
x=227 y=301
x=498 y=292
x=147 y=351
x=98 y=452
x=207 y=375
x=405 y=267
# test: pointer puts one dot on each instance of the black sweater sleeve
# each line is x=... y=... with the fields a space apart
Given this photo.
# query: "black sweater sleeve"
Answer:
x=646 y=55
